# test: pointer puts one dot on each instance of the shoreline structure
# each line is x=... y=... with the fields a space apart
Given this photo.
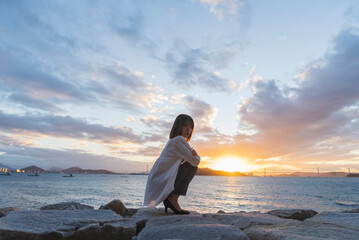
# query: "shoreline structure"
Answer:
x=72 y=220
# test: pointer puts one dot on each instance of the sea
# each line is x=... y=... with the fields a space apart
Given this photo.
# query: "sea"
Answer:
x=206 y=194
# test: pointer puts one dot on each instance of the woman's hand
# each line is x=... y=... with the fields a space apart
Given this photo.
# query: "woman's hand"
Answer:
x=194 y=153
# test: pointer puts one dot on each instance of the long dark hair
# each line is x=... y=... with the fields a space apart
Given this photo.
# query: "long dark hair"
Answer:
x=180 y=121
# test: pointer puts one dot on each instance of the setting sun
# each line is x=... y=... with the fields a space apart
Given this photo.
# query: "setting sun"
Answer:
x=231 y=164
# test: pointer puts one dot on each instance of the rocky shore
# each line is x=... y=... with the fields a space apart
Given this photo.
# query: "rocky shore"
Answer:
x=76 y=221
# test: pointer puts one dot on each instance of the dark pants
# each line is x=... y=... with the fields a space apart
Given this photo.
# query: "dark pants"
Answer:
x=185 y=175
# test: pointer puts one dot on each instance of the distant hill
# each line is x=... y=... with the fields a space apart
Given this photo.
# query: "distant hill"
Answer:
x=211 y=172
x=33 y=169
x=54 y=170
x=91 y=171
x=72 y=170
x=313 y=174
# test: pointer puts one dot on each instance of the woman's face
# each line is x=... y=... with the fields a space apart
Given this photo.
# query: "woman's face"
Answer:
x=186 y=130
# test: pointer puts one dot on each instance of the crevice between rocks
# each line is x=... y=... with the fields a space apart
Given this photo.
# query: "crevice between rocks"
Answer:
x=140 y=225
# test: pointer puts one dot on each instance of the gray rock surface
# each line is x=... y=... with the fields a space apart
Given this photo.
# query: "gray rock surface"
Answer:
x=301 y=231
x=144 y=214
x=345 y=220
x=188 y=227
x=153 y=223
x=118 y=207
x=59 y=224
x=296 y=214
x=3 y=211
x=132 y=211
x=244 y=220
x=66 y=206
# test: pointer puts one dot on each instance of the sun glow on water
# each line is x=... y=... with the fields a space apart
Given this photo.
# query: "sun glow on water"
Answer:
x=231 y=164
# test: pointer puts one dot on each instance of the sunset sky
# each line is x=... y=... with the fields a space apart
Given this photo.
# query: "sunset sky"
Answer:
x=98 y=84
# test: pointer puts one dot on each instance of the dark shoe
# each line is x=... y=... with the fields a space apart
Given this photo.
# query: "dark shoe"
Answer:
x=185 y=211
x=168 y=204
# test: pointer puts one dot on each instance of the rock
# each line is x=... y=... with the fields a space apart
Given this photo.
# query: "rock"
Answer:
x=118 y=207
x=356 y=210
x=66 y=206
x=144 y=214
x=3 y=211
x=345 y=220
x=221 y=211
x=131 y=211
x=188 y=227
x=57 y=224
x=300 y=231
x=110 y=230
x=296 y=214
x=244 y=220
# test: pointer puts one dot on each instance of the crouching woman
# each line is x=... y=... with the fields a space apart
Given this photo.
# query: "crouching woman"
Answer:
x=174 y=169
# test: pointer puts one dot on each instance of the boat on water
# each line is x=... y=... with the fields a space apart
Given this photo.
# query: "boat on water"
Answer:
x=353 y=175
x=33 y=175
x=5 y=174
x=69 y=175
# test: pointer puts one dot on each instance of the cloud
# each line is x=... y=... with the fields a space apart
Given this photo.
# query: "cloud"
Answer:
x=131 y=119
x=325 y=105
x=132 y=30
x=125 y=87
x=299 y=126
x=153 y=121
x=45 y=158
x=191 y=67
x=237 y=12
x=43 y=67
x=176 y=99
x=202 y=113
x=65 y=127
x=28 y=83
x=222 y=8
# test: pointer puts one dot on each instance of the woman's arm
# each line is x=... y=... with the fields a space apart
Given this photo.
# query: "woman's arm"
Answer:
x=184 y=151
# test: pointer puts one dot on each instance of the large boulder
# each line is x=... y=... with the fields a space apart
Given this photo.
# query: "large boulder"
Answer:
x=60 y=224
x=118 y=207
x=66 y=206
x=188 y=227
x=244 y=220
x=296 y=214
x=300 y=231
x=3 y=211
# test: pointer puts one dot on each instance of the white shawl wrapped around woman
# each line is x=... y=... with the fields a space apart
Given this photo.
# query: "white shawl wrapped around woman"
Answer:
x=161 y=179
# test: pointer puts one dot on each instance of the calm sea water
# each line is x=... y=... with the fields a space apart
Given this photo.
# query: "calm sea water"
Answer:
x=205 y=194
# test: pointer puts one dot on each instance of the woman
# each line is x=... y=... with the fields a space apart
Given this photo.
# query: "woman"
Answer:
x=174 y=169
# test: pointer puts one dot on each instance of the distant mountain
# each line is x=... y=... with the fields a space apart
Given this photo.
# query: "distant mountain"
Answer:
x=211 y=172
x=72 y=170
x=54 y=170
x=91 y=171
x=333 y=174
x=33 y=169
